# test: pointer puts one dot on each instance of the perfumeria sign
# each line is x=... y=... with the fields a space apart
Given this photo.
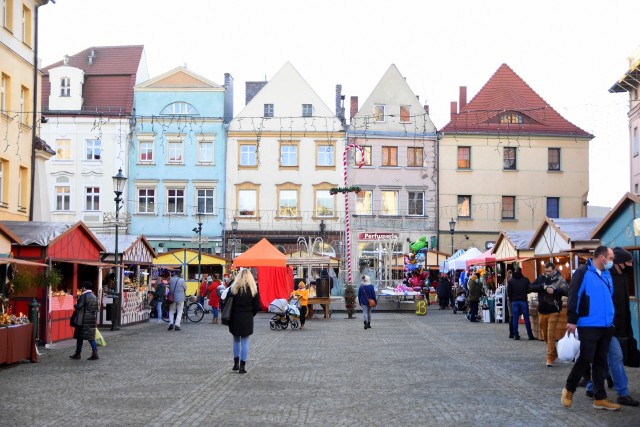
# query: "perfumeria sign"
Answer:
x=377 y=236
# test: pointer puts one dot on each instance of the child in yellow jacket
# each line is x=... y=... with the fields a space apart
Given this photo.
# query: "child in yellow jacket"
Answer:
x=303 y=294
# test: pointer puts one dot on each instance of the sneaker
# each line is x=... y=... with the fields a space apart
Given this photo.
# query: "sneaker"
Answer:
x=171 y=327
x=567 y=398
x=549 y=364
x=628 y=401
x=178 y=328
x=606 y=404
x=516 y=337
x=589 y=394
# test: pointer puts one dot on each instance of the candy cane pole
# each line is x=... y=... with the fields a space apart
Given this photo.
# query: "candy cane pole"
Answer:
x=346 y=205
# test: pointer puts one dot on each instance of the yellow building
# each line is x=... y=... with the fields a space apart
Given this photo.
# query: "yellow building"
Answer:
x=17 y=44
x=506 y=160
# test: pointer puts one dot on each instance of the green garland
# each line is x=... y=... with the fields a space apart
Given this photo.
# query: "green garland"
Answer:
x=336 y=190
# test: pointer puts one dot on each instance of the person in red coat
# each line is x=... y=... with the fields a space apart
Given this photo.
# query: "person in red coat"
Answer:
x=214 y=297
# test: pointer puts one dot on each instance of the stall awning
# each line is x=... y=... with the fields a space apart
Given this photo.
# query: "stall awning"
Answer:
x=22 y=262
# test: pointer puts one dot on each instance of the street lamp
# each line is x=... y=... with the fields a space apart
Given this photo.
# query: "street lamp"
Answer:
x=118 y=187
x=234 y=228
x=452 y=229
x=198 y=230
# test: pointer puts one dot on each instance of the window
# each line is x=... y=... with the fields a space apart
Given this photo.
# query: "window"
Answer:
x=324 y=203
x=2 y=202
x=379 y=113
x=175 y=201
x=23 y=180
x=63 y=149
x=553 y=207
x=92 y=149
x=205 y=200
x=146 y=200
x=205 y=152
x=65 y=86
x=364 y=202
x=307 y=110
x=4 y=93
x=288 y=203
x=268 y=110
x=509 y=162
x=359 y=157
x=389 y=203
x=416 y=203
x=146 y=151
x=464 y=206
x=7 y=16
x=325 y=156
x=415 y=156
x=247 y=202
x=635 y=141
x=24 y=101
x=405 y=114
x=180 y=108
x=508 y=207
x=389 y=156
x=554 y=159
x=4 y=13
x=92 y=198
x=288 y=155
x=175 y=152
x=248 y=155
x=511 y=118
x=26 y=25
x=464 y=157
x=62 y=194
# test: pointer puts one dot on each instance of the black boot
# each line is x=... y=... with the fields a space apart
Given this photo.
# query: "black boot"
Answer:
x=368 y=325
x=94 y=356
x=365 y=325
x=242 y=370
x=235 y=364
x=75 y=356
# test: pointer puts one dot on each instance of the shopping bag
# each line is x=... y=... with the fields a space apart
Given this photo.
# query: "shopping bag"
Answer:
x=568 y=347
x=486 y=315
x=99 y=339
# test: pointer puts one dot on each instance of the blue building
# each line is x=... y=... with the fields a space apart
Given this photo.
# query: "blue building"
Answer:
x=177 y=160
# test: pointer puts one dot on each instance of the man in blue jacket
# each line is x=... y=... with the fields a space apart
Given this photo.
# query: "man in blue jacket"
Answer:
x=590 y=310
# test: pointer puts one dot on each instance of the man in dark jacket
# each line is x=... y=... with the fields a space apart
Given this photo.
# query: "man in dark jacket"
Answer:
x=517 y=290
x=590 y=310
x=551 y=287
x=475 y=292
x=622 y=265
x=85 y=319
x=444 y=291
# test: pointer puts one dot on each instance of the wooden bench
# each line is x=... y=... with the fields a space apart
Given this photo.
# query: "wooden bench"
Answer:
x=318 y=300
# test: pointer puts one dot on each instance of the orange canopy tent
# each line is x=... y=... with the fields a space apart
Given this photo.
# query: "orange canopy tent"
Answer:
x=275 y=279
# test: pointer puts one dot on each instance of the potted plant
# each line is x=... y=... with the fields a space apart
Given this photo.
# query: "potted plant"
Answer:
x=350 y=300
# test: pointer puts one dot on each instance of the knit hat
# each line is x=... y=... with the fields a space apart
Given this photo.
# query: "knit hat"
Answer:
x=621 y=255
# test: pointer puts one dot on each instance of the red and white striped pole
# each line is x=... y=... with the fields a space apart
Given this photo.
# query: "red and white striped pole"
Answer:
x=346 y=204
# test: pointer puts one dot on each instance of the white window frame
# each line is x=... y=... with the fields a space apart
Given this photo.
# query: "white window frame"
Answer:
x=147 y=198
x=379 y=113
x=2 y=181
x=307 y=110
x=255 y=203
x=387 y=212
x=408 y=107
x=180 y=108
x=206 y=197
x=359 y=201
x=23 y=114
x=177 y=197
x=95 y=198
x=409 y=201
x=90 y=146
x=171 y=150
x=140 y=151
x=289 y=151
x=64 y=196
x=201 y=149
x=65 y=86
x=3 y=93
x=330 y=154
x=247 y=154
x=333 y=203
x=68 y=149
x=269 y=110
x=295 y=206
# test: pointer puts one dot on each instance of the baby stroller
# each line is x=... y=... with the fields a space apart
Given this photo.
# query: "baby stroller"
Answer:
x=460 y=304
x=285 y=313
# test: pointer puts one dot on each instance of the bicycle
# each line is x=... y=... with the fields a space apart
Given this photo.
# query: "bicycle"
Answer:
x=192 y=310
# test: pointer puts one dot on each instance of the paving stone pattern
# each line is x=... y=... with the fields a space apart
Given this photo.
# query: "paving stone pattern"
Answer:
x=435 y=370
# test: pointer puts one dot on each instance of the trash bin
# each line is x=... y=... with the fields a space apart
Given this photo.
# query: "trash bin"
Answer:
x=322 y=287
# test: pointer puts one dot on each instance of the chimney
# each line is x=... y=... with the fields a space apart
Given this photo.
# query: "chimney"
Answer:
x=463 y=97
x=454 y=109
x=252 y=89
x=228 y=98
x=65 y=60
x=339 y=103
x=426 y=108
x=418 y=97
x=92 y=54
x=354 y=107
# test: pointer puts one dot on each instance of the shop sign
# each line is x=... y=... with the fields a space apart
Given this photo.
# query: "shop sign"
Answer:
x=378 y=236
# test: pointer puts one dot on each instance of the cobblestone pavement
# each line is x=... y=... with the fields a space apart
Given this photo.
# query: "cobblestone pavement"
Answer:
x=407 y=370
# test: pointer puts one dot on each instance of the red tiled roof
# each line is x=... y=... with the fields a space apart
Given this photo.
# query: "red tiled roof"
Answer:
x=506 y=92
x=109 y=78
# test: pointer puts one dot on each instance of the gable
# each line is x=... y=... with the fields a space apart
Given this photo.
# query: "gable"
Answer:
x=179 y=80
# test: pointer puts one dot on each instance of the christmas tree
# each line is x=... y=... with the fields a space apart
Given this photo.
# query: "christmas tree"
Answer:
x=350 y=300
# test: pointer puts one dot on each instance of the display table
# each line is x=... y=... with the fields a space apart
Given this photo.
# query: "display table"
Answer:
x=399 y=296
x=17 y=343
x=325 y=301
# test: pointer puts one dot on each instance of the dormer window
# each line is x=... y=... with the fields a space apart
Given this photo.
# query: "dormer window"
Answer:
x=65 y=86
x=511 y=118
x=182 y=108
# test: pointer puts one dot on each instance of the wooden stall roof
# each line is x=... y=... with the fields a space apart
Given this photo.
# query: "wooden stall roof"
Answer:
x=134 y=249
x=627 y=198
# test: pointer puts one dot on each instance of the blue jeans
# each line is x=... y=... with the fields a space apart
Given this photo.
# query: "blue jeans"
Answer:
x=215 y=312
x=366 y=312
x=240 y=347
x=159 y=310
x=616 y=369
x=92 y=343
x=518 y=308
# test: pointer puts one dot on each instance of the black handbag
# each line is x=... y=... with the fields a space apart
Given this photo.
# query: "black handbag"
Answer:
x=225 y=317
x=76 y=318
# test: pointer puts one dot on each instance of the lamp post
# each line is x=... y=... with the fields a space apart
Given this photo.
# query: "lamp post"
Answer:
x=198 y=230
x=234 y=228
x=118 y=187
x=452 y=229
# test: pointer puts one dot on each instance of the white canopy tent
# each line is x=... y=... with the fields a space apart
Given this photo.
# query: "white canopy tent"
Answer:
x=460 y=263
x=444 y=265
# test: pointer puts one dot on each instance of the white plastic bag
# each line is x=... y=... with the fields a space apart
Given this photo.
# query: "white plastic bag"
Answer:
x=569 y=347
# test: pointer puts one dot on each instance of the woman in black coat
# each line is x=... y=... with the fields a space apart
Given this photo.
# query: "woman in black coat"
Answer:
x=85 y=320
x=444 y=291
x=245 y=305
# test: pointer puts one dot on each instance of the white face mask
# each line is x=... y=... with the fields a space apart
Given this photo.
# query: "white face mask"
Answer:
x=608 y=265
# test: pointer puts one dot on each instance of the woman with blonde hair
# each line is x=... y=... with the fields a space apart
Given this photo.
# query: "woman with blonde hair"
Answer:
x=245 y=305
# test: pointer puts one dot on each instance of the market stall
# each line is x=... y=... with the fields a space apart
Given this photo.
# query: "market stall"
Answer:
x=619 y=228
x=135 y=255
x=72 y=253
x=187 y=261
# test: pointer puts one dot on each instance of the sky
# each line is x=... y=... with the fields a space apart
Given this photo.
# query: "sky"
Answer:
x=570 y=52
